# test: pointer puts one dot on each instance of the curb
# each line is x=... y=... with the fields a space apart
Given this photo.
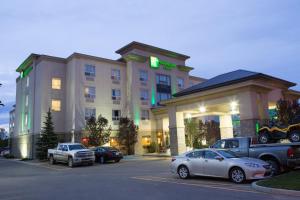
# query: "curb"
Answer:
x=275 y=190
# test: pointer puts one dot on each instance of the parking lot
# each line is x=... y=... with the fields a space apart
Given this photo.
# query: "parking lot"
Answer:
x=129 y=179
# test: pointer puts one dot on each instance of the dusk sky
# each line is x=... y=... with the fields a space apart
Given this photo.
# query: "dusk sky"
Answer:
x=220 y=36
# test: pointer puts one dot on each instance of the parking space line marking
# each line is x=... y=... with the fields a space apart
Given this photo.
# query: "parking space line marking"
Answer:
x=200 y=181
x=197 y=185
x=40 y=165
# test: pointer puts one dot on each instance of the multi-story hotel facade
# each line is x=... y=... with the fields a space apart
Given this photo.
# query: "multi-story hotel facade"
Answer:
x=79 y=86
x=150 y=85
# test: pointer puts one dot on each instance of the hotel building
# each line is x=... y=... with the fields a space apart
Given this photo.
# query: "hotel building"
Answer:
x=150 y=85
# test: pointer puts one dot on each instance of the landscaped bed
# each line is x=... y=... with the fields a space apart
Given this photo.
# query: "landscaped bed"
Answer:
x=289 y=181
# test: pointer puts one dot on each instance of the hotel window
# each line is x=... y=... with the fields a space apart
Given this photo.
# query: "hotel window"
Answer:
x=144 y=94
x=90 y=70
x=55 y=105
x=26 y=100
x=143 y=76
x=163 y=96
x=116 y=94
x=56 y=83
x=180 y=82
x=115 y=74
x=145 y=114
x=27 y=81
x=163 y=79
x=90 y=92
x=116 y=114
x=90 y=112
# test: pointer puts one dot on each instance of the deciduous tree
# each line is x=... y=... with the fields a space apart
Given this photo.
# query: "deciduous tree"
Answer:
x=99 y=131
x=127 y=135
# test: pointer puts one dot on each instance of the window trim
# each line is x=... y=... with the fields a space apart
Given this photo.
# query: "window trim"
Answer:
x=54 y=110
x=88 y=95
x=116 y=97
x=58 y=79
x=88 y=73
x=116 y=118
x=145 y=117
x=113 y=76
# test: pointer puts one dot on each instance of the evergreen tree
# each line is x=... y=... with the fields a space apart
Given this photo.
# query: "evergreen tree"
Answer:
x=48 y=138
x=99 y=131
x=127 y=135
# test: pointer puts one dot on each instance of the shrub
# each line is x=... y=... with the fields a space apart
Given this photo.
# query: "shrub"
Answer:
x=152 y=147
x=9 y=156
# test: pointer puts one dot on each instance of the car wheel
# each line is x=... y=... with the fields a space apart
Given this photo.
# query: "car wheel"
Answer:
x=294 y=136
x=101 y=160
x=117 y=160
x=263 y=138
x=237 y=175
x=183 y=172
x=51 y=160
x=275 y=168
x=70 y=162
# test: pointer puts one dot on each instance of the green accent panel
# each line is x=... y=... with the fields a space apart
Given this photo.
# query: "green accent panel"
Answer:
x=167 y=65
x=154 y=62
x=25 y=64
x=184 y=68
x=174 y=87
x=153 y=95
x=257 y=127
x=136 y=115
x=26 y=72
x=135 y=57
x=28 y=120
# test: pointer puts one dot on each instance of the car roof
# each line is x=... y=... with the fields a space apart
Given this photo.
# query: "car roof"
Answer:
x=69 y=143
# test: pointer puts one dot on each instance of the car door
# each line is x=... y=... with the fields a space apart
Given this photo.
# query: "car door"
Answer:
x=195 y=162
x=65 y=154
x=213 y=166
x=58 y=153
x=234 y=146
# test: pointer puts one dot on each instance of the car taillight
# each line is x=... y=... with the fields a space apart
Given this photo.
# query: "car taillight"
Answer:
x=290 y=153
x=173 y=159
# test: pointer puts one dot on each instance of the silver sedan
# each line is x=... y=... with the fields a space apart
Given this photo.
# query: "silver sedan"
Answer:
x=219 y=163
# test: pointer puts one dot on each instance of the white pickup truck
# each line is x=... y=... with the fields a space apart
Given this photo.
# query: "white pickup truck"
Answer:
x=72 y=154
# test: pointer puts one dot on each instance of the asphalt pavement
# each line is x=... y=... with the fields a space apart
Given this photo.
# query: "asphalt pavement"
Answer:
x=129 y=179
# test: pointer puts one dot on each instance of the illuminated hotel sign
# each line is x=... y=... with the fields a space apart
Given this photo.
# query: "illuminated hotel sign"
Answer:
x=156 y=62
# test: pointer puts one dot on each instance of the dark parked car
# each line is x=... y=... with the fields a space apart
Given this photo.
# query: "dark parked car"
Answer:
x=104 y=154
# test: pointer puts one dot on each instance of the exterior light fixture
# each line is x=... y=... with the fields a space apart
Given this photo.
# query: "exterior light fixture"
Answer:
x=233 y=105
x=188 y=115
x=202 y=109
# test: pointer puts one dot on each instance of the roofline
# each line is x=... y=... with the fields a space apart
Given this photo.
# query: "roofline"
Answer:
x=76 y=55
x=197 y=78
x=153 y=49
x=26 y=62
x=258 y=75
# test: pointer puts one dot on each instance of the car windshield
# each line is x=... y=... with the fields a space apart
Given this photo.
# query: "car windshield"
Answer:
x=227 y=153
x=76 y=147
x=110 y=149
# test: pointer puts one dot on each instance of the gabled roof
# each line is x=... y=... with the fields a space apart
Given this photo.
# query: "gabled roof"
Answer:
x=152 y=49
x=228 y=79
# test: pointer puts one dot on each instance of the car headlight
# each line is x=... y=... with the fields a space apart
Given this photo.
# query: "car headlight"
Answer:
x=254 y=165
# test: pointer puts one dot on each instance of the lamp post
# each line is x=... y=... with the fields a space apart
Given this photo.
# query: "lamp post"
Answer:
x=73 y=135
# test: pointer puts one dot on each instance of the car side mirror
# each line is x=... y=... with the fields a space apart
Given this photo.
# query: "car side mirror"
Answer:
x=219 y=158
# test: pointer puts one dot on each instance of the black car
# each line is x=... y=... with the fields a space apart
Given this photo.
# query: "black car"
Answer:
x=104 y=154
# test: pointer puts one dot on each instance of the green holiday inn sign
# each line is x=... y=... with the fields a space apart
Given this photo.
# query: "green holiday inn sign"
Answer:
x=156 y=63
